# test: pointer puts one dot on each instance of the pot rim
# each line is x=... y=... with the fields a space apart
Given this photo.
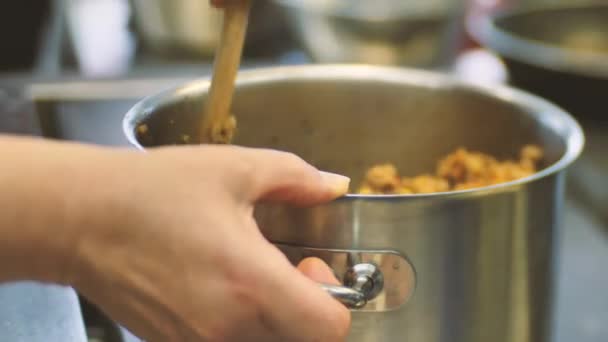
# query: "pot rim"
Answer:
x=401 y=13
x=538 y=53
x=554 y=117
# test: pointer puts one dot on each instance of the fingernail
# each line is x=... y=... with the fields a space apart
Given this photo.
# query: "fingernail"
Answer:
x=337 y=183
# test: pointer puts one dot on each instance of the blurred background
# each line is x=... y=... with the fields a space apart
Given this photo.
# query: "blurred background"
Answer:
x=70 y=69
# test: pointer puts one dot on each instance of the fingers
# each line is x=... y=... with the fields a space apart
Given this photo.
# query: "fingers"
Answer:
x=292 y=296
x=252 y=174
x=281 y=176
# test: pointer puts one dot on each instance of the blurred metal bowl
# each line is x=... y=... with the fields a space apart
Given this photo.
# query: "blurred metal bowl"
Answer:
x=189 y=26
x=390 y=32
x=557 y=51
x=192 y=27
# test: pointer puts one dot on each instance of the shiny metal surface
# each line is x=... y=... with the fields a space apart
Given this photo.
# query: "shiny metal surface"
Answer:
x=366 y=278
x=362 y=282
x=565 y=63
x=349 y=297
x=382 y=280
x=484 y=258
x=528 y=34
x=190 y=25
x=390 y=32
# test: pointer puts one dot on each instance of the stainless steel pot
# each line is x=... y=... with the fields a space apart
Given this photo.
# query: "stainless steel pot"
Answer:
x=390 y=32
x=565 y=63
x=468 y=266
x=182 y=25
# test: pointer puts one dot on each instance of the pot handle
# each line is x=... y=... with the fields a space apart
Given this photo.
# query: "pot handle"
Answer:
x=362 y=283
x=373 y=280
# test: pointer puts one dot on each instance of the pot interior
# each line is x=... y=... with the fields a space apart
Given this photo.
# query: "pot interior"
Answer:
x=345 y=125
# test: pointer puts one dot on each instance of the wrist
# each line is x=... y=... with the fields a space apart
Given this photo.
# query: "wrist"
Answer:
x=43 y=191
x=97 y=214
x=93 y=208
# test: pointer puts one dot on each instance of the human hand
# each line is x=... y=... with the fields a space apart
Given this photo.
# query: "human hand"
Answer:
x=175 y=254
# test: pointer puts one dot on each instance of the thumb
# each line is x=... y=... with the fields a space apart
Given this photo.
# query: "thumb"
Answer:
x=282 y=176
x=320 y=317
x=317 y=270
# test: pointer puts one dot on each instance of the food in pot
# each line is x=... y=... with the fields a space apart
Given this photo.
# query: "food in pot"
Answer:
x=460 y=170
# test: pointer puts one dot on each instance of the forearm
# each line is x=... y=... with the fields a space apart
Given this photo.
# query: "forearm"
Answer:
x=41 y=186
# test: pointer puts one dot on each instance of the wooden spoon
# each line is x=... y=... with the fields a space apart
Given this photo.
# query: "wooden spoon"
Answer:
x=218 y=126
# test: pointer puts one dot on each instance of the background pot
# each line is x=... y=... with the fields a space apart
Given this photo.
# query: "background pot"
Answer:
x=391 y=32
x=192 y=27
x=481 y=261
x=558 y=51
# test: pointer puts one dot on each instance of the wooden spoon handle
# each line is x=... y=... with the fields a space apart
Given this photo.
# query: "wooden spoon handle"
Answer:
x=216 y=116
